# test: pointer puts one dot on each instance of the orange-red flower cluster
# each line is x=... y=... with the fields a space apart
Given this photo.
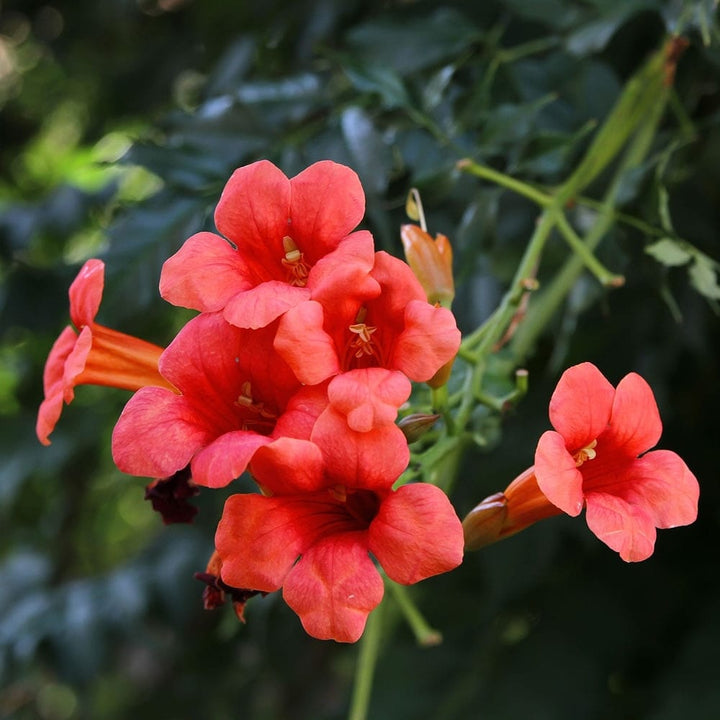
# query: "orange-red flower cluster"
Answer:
x=305 y=346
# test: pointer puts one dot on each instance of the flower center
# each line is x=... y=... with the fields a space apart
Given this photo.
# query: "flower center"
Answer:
x=256 y=416
x=361 y=342
x=587 y=453
x=295 y=266
x=361 y=505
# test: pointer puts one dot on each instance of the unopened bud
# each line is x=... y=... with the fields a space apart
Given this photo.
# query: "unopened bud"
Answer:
x=484 y=523
x=414 y=426
x=431 y=261
x=503 y=514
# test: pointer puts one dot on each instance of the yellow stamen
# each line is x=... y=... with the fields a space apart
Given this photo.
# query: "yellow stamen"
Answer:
x=363 y=342
x=587 y=453
x=293 y=261
x=245 y=400
x=338 y=492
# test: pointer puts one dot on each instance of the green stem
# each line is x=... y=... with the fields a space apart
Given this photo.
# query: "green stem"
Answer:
x=604 y=276
x=546 y=306
x=521 y=188
x=365 y=669
x=424 y=634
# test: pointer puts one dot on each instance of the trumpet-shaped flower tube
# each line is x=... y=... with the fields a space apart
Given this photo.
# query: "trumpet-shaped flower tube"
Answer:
x=597 y=457
x=290 y=240
x=92 y=354
x=326 y=508
x=233 y=390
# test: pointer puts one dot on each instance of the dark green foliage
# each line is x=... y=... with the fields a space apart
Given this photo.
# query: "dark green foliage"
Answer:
x=100 y=616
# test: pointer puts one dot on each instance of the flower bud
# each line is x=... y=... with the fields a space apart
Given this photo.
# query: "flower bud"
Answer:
x=431 y=261
x=503 y=514
x=414 y=426
x=483 y=524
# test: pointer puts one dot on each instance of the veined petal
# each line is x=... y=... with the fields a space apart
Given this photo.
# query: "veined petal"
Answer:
x=334 y=587
x=373 y=459
x=557 y=476
x=399 y=286
x=627 y=529
x=343 y=277
x=369 y=397
x=157 y=434
x=661 y=483
x=210 y=359
x=581 y=404
x=635 y=424
x=302 y=412
x=304 y=345
x=259 y=306
x=54 y=385
x=416 y=534
x=86 y=293
x=204 y=274
x=226 y=458
x=288 y=466
x=259 y=539
x=254 y=211
x=75 y=362
x=327 y=202
x=430 y=339
x=116 y=360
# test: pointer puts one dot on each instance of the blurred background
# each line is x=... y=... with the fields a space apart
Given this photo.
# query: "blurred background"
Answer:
x=120 y=122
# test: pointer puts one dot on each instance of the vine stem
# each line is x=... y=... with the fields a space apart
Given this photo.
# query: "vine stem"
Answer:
x=366 y=663
x=424 y=633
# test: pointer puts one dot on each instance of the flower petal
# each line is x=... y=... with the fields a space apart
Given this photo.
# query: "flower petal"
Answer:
x=416 y=534
x=210 y=360
x=259 y=539
x=254 y=212
x=204 y=274
x=259 y=306
x=557 y=477
x=334 y=587
x=157 y=434
x=327 y=203
x=86 y=293
x=226 y=458
x=430 y=339
x=342 y=277
x=288 y=466
x=302 y=412
x=661 y=483
x=581 y=404
x=75 y=362
x=54 y=385
x=304 y=345
x=635 y=424
x=373 y=459
x=369 y=397
x=626 y=528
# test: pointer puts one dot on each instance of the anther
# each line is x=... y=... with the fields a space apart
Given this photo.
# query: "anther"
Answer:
x=293 y=261
x=587 y=453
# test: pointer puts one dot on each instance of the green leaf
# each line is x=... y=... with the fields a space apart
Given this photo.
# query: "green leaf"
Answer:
x=669 y=252
x=373 y=77
x=704 y=277
x=414 y=43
